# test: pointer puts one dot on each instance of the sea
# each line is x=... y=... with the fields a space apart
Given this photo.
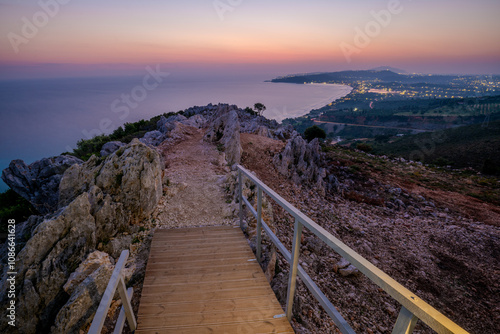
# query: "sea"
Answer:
x=45 y=117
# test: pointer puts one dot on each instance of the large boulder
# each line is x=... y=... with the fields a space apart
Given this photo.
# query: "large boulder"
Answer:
x=38 y=183
x=131 y=176
x=225 y=130
x=44 y=265
x=153 y=138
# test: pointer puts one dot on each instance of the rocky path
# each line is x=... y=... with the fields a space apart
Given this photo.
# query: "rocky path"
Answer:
x=195 y=195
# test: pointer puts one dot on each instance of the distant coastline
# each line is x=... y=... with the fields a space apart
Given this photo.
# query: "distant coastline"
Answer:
x=42 y=118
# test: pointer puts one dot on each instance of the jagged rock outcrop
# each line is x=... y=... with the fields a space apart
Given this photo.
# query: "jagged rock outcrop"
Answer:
x=196 y=121
x=249 y=121
x=100 y=201
x=225 y=130
x=43 y=266
x=110 y=147
x=38 y=182
x=301 y=161
x=166 y=124
x=131 y=176
x=284 y=132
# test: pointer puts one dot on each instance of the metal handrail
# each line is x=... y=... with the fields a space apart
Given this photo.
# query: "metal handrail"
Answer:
x=413 y=308
x=115 y=282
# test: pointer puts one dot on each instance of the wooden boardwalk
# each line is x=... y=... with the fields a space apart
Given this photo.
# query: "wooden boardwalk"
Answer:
x=207 y=280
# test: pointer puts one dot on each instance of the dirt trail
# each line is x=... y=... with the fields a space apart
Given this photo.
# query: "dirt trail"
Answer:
x=195 y=196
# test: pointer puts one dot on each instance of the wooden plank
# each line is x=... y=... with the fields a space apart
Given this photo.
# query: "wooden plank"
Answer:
x=274 y=326
x=207 y=295
x=166 y=258
x=217 y=277
x=201 y=306
x=200 y=251
x=207 y=239
x=198 y=245
x=206 y=280
x=215 y=286
x=209 y=318
x=179 y=264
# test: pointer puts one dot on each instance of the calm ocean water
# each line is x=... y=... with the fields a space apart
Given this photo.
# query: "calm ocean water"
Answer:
x=42 y=118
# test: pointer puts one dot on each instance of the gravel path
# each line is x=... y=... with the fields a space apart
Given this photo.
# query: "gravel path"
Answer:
x=195 y=196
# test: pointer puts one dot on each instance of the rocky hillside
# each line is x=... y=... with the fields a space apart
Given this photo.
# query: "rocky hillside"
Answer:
x=414 y=222
x=419 y=225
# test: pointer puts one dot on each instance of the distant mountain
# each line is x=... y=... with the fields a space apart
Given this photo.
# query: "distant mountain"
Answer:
x=388 y=68
x=353 y=77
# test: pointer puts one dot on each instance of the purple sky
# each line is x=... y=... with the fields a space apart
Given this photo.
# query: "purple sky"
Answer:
x=247 y=37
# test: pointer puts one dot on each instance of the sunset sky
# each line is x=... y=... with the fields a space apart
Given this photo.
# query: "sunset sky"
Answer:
x=242 y=36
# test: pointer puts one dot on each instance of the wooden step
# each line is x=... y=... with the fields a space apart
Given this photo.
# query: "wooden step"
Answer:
x=206 y=280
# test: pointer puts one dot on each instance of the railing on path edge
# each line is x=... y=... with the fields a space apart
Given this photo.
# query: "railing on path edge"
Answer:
x=115 y=282
x=413 y=308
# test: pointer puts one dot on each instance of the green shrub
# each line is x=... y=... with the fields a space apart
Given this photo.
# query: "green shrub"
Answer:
x=314 y=132
x=13 y=206
x=126 y=133
x=250 y=111
x=364 y=147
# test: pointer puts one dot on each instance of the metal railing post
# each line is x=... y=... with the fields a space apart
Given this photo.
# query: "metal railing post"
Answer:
x=240 y=197
x=259 y=224
x=127 y=307
x=116 y=281
x=405 y=323
x=292 y=279
x=120 y=323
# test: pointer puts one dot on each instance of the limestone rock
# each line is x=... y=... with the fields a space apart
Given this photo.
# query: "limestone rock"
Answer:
x=24 y=232
x=109 y=215
x=225 y=130
x=153 y=138
x=284 y=132
x=84 y=301
x=77 y=179
x=131 y=176
x=343 y=263
x=117 y=245
x=197 y=121
x=166 y=124
x=57 y=247
x=264 y=131
x=349 y=271
x=95 y=260
x=110 y=147
x=39 y=182
x=315 y=245
x=302 y=161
